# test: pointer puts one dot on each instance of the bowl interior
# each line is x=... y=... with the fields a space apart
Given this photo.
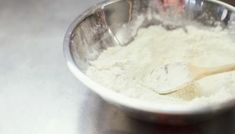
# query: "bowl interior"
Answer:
x=117 y=22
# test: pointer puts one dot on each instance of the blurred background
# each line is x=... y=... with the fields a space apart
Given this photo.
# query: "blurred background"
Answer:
x=39 y=95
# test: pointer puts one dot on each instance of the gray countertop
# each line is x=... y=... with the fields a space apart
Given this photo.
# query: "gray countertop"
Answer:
x=38 y=94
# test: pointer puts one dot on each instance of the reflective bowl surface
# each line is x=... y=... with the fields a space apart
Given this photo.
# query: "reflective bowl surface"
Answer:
x=99 y=28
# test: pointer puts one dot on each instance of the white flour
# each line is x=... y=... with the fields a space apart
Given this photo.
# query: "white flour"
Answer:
x=168 y=77
x=133 y=70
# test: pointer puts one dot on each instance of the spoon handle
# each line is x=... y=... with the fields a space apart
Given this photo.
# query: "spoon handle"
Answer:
x=216 y=70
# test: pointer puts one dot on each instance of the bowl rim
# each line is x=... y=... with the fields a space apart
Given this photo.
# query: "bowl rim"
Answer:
x=122 y=100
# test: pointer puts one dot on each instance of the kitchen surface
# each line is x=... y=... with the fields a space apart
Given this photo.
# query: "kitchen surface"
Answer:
x=38 y=93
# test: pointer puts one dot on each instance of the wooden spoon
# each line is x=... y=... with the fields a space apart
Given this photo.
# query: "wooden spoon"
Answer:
x=200 y=72
x=187 y=76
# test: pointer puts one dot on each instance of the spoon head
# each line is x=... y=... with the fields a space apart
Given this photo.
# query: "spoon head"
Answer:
x=168 y=78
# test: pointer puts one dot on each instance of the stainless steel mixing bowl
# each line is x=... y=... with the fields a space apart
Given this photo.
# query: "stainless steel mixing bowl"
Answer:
x=115 y=23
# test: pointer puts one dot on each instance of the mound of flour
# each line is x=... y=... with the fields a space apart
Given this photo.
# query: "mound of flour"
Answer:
x=132 y=70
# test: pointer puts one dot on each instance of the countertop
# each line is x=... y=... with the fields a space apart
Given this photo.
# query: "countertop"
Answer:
x=39 y=95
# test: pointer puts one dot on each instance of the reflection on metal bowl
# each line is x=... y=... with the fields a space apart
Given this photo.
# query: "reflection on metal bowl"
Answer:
x=99 y=28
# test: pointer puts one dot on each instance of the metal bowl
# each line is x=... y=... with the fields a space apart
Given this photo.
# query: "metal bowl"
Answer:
x=98 y=28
